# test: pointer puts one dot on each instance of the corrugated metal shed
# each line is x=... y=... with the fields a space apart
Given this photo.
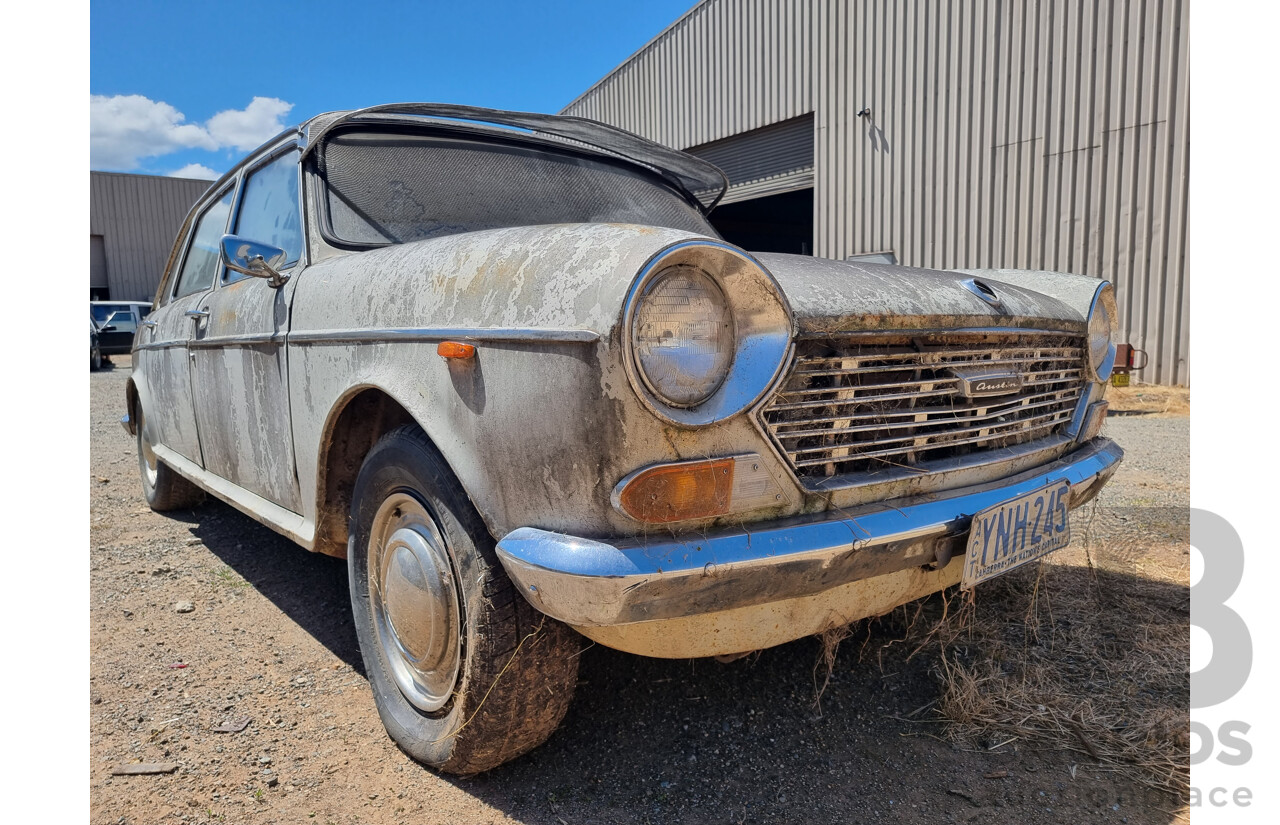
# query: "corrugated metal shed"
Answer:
x=137 y=217
x=766 y=161
x=1002 y=133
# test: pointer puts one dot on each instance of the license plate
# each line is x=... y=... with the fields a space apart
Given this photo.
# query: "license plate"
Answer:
x=1119 y=379
x=1017 y=531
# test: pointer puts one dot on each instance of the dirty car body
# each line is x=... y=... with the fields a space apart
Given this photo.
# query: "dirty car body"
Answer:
x=504 y=364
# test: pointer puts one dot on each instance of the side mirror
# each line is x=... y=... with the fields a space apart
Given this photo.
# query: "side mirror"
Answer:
x=252 y=258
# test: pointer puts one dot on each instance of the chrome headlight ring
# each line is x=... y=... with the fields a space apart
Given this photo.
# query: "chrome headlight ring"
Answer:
x=1102 y=319
x=730 y=328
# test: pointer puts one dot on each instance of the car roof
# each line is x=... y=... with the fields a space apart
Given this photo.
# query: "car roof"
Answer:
x=701 y=180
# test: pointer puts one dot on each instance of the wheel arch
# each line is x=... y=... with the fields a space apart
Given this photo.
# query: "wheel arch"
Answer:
x=355 y=424
x=131 y=405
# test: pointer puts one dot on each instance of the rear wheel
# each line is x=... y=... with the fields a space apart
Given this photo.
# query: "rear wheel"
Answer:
x=164 y=489
x=95 y=357
x=465 y=673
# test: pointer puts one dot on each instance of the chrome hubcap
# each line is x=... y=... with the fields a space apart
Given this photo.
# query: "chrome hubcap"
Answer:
x=414 y=597
x=146 y=455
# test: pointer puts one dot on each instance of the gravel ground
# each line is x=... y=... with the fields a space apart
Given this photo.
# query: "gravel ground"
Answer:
x=269 y=637
x=1157 y=464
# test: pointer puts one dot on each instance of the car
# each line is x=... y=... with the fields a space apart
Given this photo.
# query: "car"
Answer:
x=118 y=322
x=95 y=353
x=503 y=363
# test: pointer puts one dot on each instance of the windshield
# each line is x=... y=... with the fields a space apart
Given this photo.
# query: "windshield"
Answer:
x=387 y=187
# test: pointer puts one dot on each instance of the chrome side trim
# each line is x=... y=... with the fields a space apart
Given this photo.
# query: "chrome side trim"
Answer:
x=162 y=345
x=434 y=334
x=247 y=340
x=286 y=522
x=590 y=583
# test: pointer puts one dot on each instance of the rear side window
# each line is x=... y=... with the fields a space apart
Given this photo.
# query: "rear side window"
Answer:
x=201 y=264
x=269 y=207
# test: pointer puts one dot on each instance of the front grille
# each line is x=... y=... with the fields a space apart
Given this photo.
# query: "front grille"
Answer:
x=856 y=405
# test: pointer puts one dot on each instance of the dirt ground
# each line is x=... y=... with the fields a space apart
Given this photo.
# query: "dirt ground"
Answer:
x=269 y=637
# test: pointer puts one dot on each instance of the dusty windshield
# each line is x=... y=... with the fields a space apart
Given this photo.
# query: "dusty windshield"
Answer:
x=395 y=188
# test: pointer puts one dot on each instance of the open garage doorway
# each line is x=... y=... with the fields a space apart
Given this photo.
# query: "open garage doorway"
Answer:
x=774 y=223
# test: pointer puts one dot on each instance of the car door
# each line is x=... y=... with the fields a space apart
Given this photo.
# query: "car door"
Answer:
x=164 y=353
x=116 y=334
x=240 y=366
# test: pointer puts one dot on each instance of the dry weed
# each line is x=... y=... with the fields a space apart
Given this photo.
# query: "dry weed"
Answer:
x=829 y=640
x=1071 y=658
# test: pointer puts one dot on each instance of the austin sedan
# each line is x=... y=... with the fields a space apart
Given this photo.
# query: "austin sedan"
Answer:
x=504 y=365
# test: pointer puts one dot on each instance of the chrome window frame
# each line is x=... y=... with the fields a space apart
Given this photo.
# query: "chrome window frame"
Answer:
x=254 y=164
x=205 y=205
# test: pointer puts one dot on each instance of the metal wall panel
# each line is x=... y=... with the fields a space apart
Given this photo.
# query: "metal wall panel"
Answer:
x=1041 y=134
x=138 y=217
x=97 y=263
x=765 y=161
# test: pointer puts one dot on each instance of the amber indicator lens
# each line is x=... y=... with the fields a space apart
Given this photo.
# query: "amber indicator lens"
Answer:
x=453 y=349
x=680 y=491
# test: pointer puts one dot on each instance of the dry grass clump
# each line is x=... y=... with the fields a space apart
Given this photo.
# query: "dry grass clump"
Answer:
x=1150 y=399
x=1074 y=658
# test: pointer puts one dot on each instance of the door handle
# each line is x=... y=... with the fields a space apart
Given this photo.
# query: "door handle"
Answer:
x=151 y=324
x=197 y=313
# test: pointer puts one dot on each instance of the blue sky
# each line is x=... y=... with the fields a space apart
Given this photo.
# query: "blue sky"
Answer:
x=190 y=87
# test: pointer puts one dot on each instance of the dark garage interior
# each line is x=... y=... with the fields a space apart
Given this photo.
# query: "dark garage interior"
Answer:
x=776 y=223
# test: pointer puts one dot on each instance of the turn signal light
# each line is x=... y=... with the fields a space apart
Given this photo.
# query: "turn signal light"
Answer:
x=454 y=349
x=675 y=492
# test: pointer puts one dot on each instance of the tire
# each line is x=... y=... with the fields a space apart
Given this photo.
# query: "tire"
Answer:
x=465 y=673
x=163 y=488
x=95 y=358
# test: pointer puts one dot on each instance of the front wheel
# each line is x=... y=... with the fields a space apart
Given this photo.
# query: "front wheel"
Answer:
x=465 y=673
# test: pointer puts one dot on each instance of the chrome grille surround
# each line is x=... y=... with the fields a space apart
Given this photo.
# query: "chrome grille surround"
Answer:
x=892 y=405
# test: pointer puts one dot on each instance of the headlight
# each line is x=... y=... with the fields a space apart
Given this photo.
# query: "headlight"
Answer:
x=707 y=333
x=683 y=335
x=1102 y=316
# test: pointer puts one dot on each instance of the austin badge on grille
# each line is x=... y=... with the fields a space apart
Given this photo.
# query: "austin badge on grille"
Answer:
x=979 y=383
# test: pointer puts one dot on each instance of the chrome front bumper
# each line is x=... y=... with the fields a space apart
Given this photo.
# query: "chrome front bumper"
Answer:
x=588 y=583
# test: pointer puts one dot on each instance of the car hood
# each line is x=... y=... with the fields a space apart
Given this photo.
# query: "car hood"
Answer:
x=829 y=297
x=576 y=277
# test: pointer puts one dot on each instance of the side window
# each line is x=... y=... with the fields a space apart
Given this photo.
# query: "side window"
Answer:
x=269 y=208
x=123 y=321
x=201 y=264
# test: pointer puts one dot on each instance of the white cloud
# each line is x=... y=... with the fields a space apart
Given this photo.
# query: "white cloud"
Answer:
x=247 y=128
x=126 y=128
x=195 y=170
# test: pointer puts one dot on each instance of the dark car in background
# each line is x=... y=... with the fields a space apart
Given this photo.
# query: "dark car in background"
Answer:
x=95 y=354
x=117 y=322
